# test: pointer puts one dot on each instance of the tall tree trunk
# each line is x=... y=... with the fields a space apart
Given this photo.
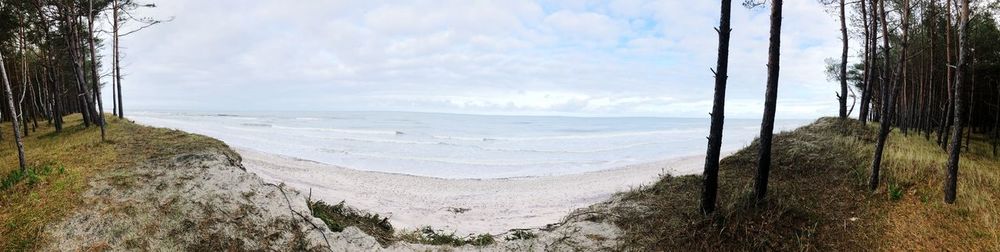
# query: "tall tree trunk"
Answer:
x=949 y=114
x=866 y=92
x=116 y=7
x=93 y=69
x=889 y=90
x=77 y=58
x=951 y=183
x=770 y=102
x=13 y=114
x=843 y=63
x=711 y=174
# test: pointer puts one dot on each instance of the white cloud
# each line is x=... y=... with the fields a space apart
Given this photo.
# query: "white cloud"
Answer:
x=621 y=57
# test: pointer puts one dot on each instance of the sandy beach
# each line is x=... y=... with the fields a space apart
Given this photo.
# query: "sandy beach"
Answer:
x=462 y=205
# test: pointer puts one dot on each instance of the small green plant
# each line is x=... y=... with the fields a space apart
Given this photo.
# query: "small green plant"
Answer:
x=428 y=235
x=338 y=217
x=520 y=234
x=895 y=192
x=33 y=175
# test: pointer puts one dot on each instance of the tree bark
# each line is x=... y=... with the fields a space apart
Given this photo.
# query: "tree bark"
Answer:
x=889 y=90
x=843 y=62
x=770 y=102
x=711 y=173
x=93 y=68
x=13 y=114
x=960 y=71
x=866 y=92
x=116 y=7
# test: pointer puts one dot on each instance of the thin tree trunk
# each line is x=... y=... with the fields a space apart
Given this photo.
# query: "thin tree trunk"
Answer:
x=13 y=114
x=866 y=92
x=944 y=132
x=93 y=68
x=116 y=7
x=770 y=102
x=888 y=99
x=960 y=71
x=843 y=63
x=710 y=191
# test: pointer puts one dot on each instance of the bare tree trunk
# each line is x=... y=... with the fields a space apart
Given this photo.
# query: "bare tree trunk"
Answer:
x=866 y=92
x=889 y=90
x=94 y=76
x=770 y=102
x=13 y=114
x=842 y=97
x=116 y=7
x=75 y=55
x=946 y=126
x=711 y=184
x=960 y=71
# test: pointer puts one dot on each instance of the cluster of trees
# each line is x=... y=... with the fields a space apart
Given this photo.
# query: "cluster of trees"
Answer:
x=929 y=67
x=50 y=63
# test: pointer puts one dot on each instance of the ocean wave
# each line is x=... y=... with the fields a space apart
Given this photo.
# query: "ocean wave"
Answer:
x=492 y=149
x=264 y=125
x=346 y=131
x=453 y=161
x=573 y=137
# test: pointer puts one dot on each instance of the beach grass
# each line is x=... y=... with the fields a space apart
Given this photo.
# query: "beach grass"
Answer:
x=818 y=198
x=61 y=164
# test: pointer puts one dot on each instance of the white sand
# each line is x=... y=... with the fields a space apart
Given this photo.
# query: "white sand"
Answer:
x=494 y=206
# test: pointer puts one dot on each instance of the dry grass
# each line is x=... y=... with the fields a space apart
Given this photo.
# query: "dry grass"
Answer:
x=818 y=199
x=78 y=154
x=920 y=220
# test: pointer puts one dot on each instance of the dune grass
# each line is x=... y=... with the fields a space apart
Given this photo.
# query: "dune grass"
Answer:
x=818 y=199
x=60 y=164
x=919 y=219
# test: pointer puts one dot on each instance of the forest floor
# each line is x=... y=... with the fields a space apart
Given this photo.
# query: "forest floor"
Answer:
x=156 y=188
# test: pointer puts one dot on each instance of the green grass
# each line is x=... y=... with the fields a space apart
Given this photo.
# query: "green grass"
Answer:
x=431 y=236
x=62 y=163
x=338 y=217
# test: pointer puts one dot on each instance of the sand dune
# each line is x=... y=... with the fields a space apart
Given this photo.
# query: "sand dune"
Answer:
x=464 y=205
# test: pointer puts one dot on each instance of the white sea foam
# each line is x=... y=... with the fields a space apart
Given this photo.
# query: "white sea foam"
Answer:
x=462 y=146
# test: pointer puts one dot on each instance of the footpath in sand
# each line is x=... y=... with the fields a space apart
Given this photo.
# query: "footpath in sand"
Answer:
x=463 y=205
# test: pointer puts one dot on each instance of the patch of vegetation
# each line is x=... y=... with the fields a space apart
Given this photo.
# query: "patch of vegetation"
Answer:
x=816 y=186
x=338 y=217
x=818 y=198
x=895 y=192
x=34 y=175
x=32 y=200
x=520 y=234
x=428 y=235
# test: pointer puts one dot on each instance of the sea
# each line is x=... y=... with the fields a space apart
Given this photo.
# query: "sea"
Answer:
x=460 y=146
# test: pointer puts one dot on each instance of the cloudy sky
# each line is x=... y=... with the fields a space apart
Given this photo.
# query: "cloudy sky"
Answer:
x=576 y=57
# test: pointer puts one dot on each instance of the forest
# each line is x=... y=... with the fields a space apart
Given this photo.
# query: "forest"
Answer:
x=49 y=51
x=927 y=67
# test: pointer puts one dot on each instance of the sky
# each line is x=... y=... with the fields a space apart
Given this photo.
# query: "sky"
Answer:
x=558 y=57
